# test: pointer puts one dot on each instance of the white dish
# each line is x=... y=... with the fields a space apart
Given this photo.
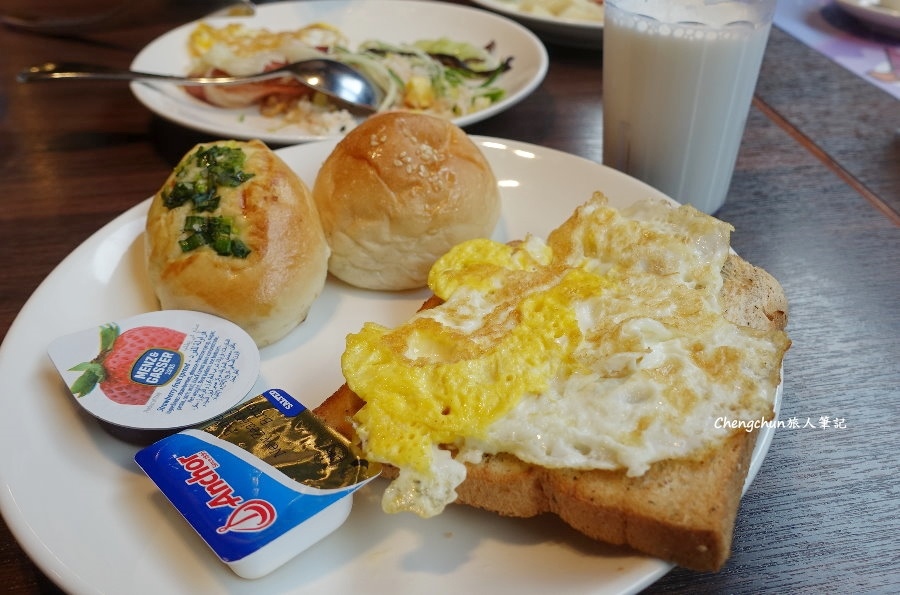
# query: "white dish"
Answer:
x=394 y=21
x=81 y=508
x=564 y=31
x=873 y=13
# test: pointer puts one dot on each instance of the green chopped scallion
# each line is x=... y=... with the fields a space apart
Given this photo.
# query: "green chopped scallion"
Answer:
x=192 y=242
x=197 y=181
x=216 y=232
x=239 y=249
x=195 y=223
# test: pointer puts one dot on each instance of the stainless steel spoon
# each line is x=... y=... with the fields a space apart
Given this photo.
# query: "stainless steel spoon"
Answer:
x=335 y=79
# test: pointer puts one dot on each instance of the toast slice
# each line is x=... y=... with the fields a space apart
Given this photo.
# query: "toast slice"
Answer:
x=682 y=511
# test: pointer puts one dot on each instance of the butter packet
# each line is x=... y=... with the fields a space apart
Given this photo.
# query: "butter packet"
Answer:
x=260 y=483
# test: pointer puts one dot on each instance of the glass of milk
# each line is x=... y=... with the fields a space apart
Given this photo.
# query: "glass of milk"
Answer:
x=678 y=79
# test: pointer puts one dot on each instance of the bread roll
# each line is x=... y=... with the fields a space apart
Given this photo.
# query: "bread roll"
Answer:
x=398 y=192
x=274 y=265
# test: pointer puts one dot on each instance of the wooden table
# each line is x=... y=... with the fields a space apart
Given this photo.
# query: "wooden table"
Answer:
x=815 y=200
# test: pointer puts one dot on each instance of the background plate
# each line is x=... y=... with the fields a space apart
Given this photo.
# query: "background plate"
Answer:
x=394 y=21
x=569 y=32
x=93 y=522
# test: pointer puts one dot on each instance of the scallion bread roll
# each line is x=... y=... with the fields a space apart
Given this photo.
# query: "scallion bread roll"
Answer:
x=234 y=232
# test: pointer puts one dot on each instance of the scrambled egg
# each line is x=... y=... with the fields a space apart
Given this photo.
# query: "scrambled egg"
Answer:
x=603 y=347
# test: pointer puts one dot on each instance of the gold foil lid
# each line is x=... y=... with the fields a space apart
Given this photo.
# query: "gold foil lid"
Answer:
x=279 y=430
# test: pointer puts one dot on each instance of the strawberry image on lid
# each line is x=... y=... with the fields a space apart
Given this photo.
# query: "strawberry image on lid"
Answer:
x=122 y=358
x=158 y=372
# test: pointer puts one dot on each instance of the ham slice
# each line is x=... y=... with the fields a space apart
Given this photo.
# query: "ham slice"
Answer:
x=235 y=96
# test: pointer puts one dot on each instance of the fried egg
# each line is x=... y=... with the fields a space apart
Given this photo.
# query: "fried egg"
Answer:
x=602 y=347
x=241 y=50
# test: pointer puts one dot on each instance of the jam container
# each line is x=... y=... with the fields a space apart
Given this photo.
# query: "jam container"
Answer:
x=260 y=483
x=153 y=374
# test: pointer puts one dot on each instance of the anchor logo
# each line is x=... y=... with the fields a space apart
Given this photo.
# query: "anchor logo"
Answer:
x=250 y=516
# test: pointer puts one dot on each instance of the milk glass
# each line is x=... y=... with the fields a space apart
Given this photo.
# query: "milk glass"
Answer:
x=678 y=79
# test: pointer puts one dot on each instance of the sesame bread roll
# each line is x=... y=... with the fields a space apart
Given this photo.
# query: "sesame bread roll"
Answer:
x=398 y=192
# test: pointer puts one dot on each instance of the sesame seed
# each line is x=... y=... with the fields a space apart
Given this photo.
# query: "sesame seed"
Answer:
x=427 y=153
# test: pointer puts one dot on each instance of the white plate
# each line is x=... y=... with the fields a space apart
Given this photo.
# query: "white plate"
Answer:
x=395 y=21
x=878 y=17
x=564 y=31
x=81 y=508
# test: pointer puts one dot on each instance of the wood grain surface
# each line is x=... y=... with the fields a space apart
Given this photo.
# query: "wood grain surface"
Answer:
x=815 y=200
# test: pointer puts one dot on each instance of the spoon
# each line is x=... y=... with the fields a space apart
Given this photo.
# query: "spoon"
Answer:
x=329 y=77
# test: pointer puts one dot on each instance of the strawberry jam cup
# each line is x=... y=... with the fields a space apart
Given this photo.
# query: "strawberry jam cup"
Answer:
x=156 y=373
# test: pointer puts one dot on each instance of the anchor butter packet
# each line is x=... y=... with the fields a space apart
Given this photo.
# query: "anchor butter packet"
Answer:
x=157 y=372
x=260 y=483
